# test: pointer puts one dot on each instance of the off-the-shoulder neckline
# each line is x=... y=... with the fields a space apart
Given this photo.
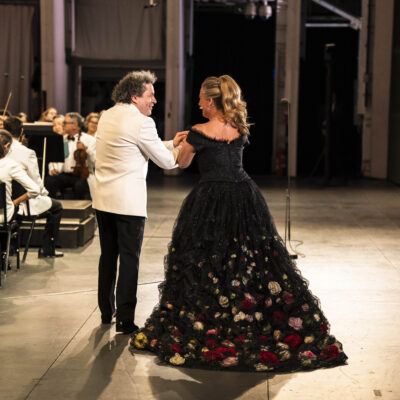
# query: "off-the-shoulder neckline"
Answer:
x=214 y=139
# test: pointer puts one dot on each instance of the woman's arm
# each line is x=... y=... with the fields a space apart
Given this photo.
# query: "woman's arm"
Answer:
x=186 y=155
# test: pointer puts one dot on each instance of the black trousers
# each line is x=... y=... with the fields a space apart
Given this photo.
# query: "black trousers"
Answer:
x=57 y=183
x=53 y=219
x=120 y=235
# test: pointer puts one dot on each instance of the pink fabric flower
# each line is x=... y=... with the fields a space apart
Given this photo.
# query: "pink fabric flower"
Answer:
x=308 y=355
x=295 y=323
x=211 y=332
x=229 y=362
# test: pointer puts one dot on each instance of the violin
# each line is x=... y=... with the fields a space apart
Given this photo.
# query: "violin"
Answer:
x=81 y=168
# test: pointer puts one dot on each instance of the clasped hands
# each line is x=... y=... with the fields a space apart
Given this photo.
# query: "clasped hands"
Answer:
x=179 y=138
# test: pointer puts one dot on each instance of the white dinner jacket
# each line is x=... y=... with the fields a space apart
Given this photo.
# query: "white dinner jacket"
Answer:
x=11 y=170
x=125 y=141
x=28 y=160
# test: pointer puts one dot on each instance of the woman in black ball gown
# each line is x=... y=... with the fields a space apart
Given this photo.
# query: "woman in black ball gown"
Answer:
x=232 y=298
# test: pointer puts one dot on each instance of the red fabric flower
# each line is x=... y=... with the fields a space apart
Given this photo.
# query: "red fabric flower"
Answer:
x=211 y=343
x=276 y=252
x=227 y=351
x=262 y=337
x=268 y=358
x=176 y=348
x=293 y=341
x=277 y=317
x=219 y=353
x=176 y=332
x=239 y=339
x=201 y=318
x=323 y=328
x=247 y=304
x=212 y=355
x=288 y=297
x=330 y=352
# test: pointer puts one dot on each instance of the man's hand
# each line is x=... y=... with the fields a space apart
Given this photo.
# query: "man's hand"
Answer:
x=179 y=137
x=80 y=146
x=54 y=172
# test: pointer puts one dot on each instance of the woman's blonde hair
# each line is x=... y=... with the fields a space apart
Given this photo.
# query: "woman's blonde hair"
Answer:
x=227 y=97
x=89 y=117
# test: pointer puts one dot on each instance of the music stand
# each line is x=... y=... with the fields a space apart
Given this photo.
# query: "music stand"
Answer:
x=48 y=145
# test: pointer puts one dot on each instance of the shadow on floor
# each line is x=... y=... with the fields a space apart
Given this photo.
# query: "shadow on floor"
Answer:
x=209 y=385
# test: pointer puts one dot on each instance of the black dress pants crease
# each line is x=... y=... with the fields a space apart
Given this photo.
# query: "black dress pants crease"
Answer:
x=53 y=218
x=57 y=183
x=120 y=235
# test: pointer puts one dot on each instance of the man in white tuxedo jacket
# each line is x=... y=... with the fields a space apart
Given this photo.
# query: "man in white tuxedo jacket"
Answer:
x=126 y=139
x=41 y=205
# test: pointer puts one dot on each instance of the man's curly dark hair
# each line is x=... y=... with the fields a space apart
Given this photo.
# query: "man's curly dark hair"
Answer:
x=132 y=84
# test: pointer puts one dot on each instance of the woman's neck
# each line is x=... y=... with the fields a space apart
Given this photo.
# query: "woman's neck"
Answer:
x=218 y=116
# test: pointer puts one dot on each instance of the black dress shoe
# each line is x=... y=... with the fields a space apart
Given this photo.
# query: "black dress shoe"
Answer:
x=126 y=327
x=51 y=254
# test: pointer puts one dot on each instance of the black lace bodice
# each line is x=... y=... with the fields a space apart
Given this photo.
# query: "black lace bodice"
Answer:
x=219 y=160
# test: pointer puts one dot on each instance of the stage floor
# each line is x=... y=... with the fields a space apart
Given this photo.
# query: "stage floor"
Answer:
x=52 y=345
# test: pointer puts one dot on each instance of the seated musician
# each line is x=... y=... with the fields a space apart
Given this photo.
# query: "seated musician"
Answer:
x=11 y=170
x=77 y=170
x=42 y=205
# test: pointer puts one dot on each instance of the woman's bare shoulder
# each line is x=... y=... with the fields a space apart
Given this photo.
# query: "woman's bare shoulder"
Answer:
x=199 y=126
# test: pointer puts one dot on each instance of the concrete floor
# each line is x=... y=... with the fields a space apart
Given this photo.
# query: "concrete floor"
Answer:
x=53 y=346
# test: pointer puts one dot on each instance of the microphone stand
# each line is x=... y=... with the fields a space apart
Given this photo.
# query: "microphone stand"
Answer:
x=288 y=225
x=44 y=158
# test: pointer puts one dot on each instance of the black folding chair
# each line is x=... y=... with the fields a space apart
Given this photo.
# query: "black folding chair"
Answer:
x=8 y=228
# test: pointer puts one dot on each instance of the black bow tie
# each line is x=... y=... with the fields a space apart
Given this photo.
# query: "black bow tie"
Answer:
x=71 y=138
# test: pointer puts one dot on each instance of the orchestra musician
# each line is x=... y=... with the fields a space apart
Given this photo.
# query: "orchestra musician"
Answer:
x=42 y=205
x=77 y=170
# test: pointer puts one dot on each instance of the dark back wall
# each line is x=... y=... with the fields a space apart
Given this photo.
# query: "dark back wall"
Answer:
x=230 y=44
x=345 y=146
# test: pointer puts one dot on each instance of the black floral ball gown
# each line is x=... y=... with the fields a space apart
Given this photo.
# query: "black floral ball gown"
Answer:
x=232 y=298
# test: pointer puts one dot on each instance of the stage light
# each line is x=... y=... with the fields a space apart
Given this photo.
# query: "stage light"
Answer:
x=151 y=4
x=250 y=9
x=265 y=11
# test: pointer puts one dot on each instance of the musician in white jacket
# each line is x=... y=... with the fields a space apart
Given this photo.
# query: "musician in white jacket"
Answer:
x=126 y=139
x=42 y=204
